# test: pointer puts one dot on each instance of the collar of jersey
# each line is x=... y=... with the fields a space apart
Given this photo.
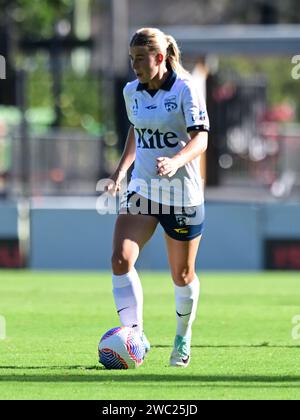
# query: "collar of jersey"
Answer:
x=167 y=85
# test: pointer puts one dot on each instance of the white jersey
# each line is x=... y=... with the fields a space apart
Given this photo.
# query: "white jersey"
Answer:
x=162 y=121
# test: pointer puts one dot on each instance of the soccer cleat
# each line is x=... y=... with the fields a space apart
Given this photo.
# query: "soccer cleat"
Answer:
x=180 y=356
x=146 y=343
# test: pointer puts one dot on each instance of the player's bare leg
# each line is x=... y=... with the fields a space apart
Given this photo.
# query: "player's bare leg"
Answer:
x=132 y=232
x=182 y=258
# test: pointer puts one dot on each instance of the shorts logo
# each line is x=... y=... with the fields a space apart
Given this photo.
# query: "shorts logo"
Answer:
x=170 y=103
x=181 y=230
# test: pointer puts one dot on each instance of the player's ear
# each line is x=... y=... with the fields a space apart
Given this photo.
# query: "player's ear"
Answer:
x=159 y=58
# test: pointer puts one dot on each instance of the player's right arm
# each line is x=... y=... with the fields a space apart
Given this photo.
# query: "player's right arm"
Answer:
x=127 y=159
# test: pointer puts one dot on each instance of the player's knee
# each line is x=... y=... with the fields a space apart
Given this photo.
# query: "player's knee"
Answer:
x=184 y=275
x=121 y=263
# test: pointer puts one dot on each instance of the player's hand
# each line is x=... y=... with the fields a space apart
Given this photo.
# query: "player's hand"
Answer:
x=114 y=186
x=166 y=166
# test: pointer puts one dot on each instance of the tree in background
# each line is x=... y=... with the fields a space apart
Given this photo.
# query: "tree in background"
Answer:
x=33 y=21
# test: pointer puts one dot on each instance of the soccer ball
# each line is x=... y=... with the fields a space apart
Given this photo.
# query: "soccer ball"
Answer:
x=121 y=348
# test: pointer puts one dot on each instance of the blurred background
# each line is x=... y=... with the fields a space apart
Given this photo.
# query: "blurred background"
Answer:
x=63 y=65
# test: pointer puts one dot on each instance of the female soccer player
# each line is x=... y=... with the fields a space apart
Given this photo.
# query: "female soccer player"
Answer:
x=168 y=134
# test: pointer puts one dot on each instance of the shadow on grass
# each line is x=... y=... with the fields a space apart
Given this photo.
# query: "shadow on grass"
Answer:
x=230 y=346
x=102 y=375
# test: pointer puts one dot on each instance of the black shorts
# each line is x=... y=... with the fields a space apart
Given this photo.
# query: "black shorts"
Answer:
x=180 y=223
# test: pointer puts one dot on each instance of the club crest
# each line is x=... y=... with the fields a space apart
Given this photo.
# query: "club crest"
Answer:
x=170 y=103
x=182 y=220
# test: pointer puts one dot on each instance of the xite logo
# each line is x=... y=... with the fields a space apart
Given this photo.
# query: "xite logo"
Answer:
x=149 y=139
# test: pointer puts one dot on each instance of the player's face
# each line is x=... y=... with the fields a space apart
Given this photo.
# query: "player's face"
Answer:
x=145 y=64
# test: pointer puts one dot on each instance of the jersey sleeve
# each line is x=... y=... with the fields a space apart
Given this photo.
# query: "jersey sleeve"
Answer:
x=194 y=108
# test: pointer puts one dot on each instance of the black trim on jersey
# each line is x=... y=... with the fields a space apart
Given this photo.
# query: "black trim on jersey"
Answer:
x=167 y=85
x=198 y=128
x=152 y=92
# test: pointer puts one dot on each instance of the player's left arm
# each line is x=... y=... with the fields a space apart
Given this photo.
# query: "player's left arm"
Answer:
x=194 y=148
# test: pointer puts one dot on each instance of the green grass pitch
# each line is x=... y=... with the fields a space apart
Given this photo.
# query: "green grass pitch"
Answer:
x=242 y=343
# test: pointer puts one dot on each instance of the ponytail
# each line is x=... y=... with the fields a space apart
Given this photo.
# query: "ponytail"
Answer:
x=174 y=56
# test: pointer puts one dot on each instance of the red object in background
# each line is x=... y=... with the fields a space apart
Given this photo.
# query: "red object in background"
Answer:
x=10 y=256
x=283 y=254
x=280 y=113
x=57 y=175
x=224 y=92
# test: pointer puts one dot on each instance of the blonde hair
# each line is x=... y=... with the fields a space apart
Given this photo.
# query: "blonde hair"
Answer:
x=159 y=42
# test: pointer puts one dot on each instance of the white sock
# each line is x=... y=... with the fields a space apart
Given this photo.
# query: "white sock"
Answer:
x=186 y=299
x=128 y=295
